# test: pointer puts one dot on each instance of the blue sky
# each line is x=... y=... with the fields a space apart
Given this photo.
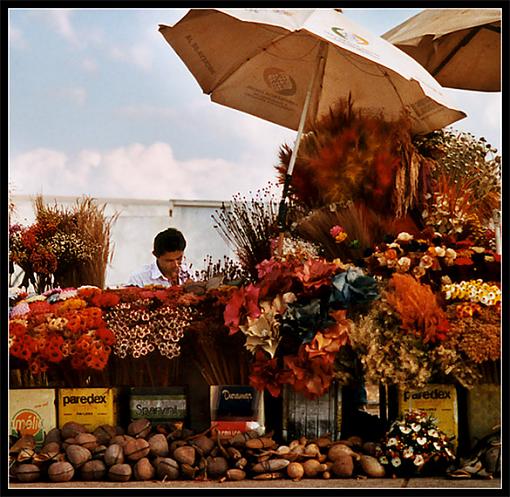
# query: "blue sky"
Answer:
x=99 y=104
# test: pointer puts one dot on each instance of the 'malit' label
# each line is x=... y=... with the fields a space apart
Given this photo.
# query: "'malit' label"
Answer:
x=32 y=412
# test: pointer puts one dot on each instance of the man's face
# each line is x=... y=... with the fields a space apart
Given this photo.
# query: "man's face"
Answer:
x=169 y=264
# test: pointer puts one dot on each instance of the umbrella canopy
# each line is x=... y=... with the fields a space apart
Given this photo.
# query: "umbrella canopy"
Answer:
x=287 y=66
x=461 y=48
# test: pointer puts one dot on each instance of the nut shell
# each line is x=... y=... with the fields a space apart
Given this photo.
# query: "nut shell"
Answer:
x=372 y=467
x=235 y=474
x=60 y=471
x=54 y=435
x=121 y=440
x=158 y=445
x=168 y=469
x=139 y=428
x=120 y=472
x=113 y=455
x=71 y=429
x=295 y=471
x=216 y=467
x=343 y=466
x=78 y=455
x=337 y=450
x=87 y=440
x=185 y=455
x=204 y=445
x=27 y=473
x=104 y=434
x=312 y=468
x=144 y=470
x=93 y=470
x=136 y=449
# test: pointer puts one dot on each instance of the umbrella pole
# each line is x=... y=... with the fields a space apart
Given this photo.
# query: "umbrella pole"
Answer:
x=282 y=208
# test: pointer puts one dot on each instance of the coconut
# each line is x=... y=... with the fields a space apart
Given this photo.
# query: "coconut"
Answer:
x=114 y=455
x=93 y=470
x=60 y=471
x=343 y=466
x=370 y=448
x=216 y=467
x=136 y=449
x=185 y=455
x=87 y=440
x=27 y=473
x=295 y=471
x=158 y=445
x=144 y=470
x=372 y=467
x=139 y=428
x=78 y=455
x=168 y=469
x=120 y=472
x=71 y=429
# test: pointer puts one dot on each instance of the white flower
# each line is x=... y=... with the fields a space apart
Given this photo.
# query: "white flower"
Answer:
x=404 y=237
x=433 y=433
x=395 y=461
x=416 y=427
x=422 y=440
x=408 y=453
x=419 y=461
x=391 y=442
x=383 y=460
x=440 y=251
x=405 y=430
x=437 y=446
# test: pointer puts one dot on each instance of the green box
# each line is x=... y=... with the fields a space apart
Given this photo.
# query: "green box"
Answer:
x=159 y=405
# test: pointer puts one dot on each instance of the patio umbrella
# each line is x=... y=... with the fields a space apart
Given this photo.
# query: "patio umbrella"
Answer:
x=461 y=48
x=290 y=66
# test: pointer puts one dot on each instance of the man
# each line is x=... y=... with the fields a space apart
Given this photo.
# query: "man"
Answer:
x=168 y=269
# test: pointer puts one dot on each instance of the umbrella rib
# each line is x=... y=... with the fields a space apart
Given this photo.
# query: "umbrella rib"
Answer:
x=453 y=52
x=255 y=52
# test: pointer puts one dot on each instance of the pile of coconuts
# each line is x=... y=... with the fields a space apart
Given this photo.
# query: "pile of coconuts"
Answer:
x=169 y=452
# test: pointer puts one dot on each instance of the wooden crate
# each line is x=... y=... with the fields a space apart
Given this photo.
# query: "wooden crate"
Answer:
x=311 y=418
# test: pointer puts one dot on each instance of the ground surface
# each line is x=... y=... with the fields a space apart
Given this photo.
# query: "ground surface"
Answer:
x=373 y=483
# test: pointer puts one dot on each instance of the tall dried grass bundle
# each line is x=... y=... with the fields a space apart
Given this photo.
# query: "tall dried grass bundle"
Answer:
x=249 y=225
x=82 y=228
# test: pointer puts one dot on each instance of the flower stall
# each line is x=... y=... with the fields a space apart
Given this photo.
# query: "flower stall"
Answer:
x=388 y=277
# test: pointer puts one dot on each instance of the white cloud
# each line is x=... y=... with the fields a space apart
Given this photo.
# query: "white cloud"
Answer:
x=76 y=95
x=135 y=171
x=89 y=65
x=140 y=55
x=60 y=20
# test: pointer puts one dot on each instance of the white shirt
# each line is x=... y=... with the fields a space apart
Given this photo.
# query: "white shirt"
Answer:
x=150 y=274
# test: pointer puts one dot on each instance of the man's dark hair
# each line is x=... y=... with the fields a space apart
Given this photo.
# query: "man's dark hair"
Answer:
x=169 y=240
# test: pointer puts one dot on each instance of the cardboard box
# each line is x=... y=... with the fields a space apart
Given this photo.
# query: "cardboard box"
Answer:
x=32 y=412
x=236 y=409
x=438 y=401
x=483 y=410
x=91 y=407
x=160 y=405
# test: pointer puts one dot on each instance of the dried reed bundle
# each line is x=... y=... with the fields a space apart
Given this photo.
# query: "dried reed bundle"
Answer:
x=248 y=225
x=226 y=269
x=220 y=358
x=364 y=227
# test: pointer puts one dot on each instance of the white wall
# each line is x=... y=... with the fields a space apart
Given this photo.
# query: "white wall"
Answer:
x=138 y=223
